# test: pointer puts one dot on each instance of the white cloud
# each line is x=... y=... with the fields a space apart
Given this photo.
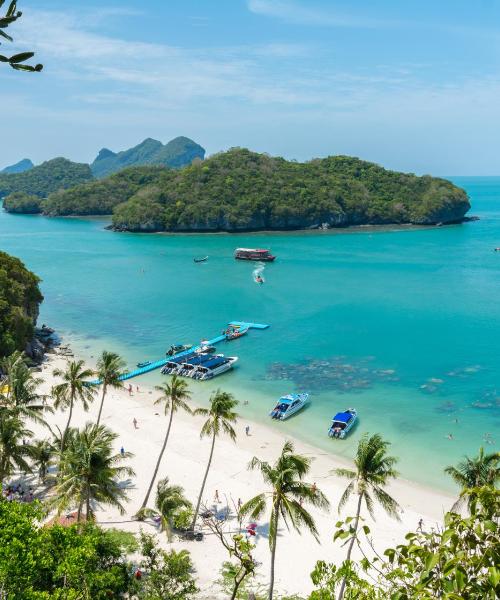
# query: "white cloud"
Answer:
x=305 y=14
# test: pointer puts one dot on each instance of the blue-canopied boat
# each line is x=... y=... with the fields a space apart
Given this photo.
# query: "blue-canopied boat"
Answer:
x=218 y=365
x=289 y=405
x=342 y=423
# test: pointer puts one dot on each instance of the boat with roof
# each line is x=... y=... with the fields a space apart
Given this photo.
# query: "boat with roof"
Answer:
x=176 y=348
x=289 y=405
x=254 y=254
x=342 y=423
x=188 y=367
x=233 y=332
x=212 y=368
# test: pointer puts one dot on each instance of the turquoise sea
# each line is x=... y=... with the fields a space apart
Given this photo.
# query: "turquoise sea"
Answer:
x=358 y=318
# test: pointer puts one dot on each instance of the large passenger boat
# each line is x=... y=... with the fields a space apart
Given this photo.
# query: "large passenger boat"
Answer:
x=258 y=254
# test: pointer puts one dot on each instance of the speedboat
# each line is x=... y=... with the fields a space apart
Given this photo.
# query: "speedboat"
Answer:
x=288 y=406
x=200 y=260
x=188 y=367
x=173 y=363
x=342 y=423
x=146 y=363
x=235 y=332
x=176 y=348
x=218 y=365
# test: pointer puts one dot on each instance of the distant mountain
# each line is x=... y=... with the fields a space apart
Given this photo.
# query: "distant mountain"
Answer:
x=50 y=176
x=177 y=153
x=20 y=167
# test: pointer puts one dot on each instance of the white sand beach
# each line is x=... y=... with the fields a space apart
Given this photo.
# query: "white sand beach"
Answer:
x=185 y=461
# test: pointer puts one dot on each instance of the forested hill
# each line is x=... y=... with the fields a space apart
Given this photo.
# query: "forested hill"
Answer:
x=241 y=190
x=179 y=152
x=40 y=181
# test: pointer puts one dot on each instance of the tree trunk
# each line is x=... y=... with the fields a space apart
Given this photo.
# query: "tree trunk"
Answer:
x=160 y=456
x=351 y=544
x=273 y=552
x=203 y=484
x=63 y=439
x=102 y=403
x=237 y=582
x=87 y=504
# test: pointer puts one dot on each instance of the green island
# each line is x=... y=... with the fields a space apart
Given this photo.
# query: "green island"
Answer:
x=20 y=298
x=240 y=190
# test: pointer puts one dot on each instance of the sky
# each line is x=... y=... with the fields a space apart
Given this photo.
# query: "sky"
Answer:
x=413 y=85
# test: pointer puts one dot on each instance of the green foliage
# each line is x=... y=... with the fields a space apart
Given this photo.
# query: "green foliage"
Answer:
x=16 y=61
x=50 y=176
x=458 y=561
x=20 y=298
x=241 y=190
x=100 y=197
x=179 y=152
x=49 y=563
x=90 y=472
x=23 y=203
x=169 y=575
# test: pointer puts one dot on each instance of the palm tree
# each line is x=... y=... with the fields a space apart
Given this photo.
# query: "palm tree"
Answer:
x=220 y=416
x=109 y=368
x=14 y=451
x=42 y=453
x=90 y=472
x=73 y=388
x=474 y=472
x=374 y=468
x=20 y=389
x=174 y=396
x=169 y=501
x=288 y=492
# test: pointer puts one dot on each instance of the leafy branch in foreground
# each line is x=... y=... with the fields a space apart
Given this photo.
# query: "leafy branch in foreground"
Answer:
x=458 y=560
x=16 y=61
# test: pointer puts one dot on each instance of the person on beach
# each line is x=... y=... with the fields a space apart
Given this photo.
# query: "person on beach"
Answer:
x=420 y=525
x=129 y=389
x=239 y=504
x=247 y=429
x=122 y=451
x=135 y=423
x=137 y=388
x=216 y=497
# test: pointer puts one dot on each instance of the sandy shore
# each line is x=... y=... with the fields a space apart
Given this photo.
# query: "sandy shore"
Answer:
x=184 y=463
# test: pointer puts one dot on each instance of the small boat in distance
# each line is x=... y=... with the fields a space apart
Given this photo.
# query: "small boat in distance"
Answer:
x=143 y=364
x=254 y=254
x=288 y=406
x=342 y=423
x=200 y=260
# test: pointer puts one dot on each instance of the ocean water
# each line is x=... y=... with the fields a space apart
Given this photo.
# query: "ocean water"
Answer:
x=358 y=318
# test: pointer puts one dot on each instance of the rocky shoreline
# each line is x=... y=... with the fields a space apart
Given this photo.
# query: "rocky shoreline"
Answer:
x=46 y=341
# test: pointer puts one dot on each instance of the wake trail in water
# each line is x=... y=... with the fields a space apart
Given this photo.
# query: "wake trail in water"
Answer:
x=258 y=273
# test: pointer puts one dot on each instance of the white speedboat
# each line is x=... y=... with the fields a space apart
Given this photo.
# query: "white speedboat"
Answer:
x=288 y=406
x=218 y=365
x=342 y=423
x=188 y=367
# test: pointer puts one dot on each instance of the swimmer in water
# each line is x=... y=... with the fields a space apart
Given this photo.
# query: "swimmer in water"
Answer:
x=259 y=279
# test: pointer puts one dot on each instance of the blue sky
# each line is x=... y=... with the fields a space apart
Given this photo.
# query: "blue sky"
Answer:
x=413 y=85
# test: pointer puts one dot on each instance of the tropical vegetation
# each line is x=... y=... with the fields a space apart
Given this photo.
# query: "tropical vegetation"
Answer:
x=171 y=506
x=174 y=397
x=90 y=473
x=374 y=468
x=220 y=419
x=110 y=367
x=73 y=388
x=20 y=298
x=22 y=203
x=286 y=495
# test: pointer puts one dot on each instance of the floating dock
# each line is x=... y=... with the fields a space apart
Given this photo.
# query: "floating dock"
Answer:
x=163 y=361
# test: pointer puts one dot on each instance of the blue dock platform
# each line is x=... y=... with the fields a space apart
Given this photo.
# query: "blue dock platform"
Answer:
x=163 y=361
